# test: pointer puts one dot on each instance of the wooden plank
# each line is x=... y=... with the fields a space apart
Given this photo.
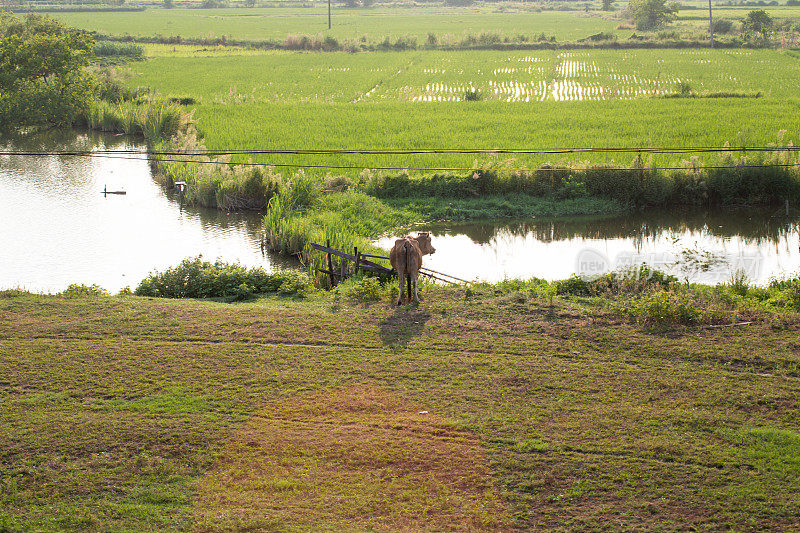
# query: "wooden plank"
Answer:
x=374 y=256
x=332 y=251
x=370 y=268
x=327 y=272
x=375 y=265
x=343 y=255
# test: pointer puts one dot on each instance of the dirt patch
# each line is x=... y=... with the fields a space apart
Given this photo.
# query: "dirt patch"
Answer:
x=350 y=460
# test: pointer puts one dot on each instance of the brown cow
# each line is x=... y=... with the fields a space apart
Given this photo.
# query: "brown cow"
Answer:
x=406 y=258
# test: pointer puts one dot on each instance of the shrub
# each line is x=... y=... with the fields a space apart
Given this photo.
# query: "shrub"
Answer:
x=195 y=278
x=667 y=308
x=574 y=285
x=364 y=289
x=80 y=291
x=723 y=26
x=758 y=21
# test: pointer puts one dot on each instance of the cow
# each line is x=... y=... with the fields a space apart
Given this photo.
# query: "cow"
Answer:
x=406 y=258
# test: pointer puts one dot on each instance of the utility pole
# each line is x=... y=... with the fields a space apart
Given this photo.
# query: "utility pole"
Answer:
x=329 y=12
x=710 y=23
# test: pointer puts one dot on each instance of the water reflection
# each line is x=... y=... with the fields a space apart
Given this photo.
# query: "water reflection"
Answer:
x=56 y=226
x=551 y=249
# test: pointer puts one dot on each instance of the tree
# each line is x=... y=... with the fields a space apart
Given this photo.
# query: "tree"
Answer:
x=608 y=5
x=651 y=14
x=758 y=21
x=42 y=79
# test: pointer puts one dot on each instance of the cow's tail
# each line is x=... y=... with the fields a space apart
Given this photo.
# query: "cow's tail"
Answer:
x=406 y=246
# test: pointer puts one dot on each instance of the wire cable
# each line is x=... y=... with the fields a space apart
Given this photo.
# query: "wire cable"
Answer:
x=420 y=151
x=434 y=169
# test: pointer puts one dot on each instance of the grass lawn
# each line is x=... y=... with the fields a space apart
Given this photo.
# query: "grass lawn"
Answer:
x=485 y=412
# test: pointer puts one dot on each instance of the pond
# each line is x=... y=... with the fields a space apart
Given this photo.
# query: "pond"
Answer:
x=57 y=228
x=704 y=246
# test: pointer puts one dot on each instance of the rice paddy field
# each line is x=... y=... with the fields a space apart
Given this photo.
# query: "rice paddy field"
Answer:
x=277 y=23
x=373 y=24
x=543 y=99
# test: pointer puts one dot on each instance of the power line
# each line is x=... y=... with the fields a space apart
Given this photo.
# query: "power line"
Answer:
x=420 y=151
x=437 y=169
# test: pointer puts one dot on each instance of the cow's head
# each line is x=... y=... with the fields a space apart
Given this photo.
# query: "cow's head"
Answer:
x=424 y=241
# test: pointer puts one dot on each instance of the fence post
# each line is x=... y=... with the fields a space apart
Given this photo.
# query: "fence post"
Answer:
x=330 y=265
x=358 y=258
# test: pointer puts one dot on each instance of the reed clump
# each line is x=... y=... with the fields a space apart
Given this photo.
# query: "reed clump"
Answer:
x=347 y=220
x=735 y=178
x=214 y=182
x=154 y=120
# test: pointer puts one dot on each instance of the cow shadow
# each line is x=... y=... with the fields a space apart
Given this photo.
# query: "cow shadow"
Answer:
x=401 y=326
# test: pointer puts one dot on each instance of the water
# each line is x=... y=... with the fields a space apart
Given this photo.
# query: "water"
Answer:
x=762 y=242
x=57 y=228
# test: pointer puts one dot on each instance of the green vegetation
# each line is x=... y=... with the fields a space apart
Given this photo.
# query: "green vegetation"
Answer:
x=348 y=220
x=195 y=278
x=372 y=101
x=652 y=14
x=396 y=27
x=276 y=25
x=152 y=120
x=123 y=413
x=758 y=21
x=130 y=51
x=42 y=81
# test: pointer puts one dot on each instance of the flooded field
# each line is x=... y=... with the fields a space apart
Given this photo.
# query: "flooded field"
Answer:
x=588 y=75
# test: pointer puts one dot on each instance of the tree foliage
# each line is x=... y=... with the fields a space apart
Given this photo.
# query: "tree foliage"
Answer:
x=651 y=14
x=758 y=21
x=42 y=75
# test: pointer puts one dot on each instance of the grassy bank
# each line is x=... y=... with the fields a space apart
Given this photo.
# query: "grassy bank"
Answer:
x=123 y=413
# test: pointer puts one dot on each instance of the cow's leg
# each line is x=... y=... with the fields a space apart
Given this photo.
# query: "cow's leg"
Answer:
x=416 y=294
x=401 y=279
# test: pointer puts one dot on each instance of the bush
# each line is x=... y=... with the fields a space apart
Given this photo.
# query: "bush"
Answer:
x=195 y=278
x=42 y=77
x=574 y=285
x=80 y=291
x=723 y=25
x=758 y=21
x=367 y=289
x=665 y=308
x=651 y=14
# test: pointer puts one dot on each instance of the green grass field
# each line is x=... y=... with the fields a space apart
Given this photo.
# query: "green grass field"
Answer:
x=277 y=23
x=575 y=99
x=130 y=414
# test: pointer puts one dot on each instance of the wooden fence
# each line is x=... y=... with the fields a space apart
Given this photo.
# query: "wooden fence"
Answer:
x=362 y=261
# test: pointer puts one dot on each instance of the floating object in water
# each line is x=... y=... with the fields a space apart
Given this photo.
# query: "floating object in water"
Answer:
x=106 y=191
